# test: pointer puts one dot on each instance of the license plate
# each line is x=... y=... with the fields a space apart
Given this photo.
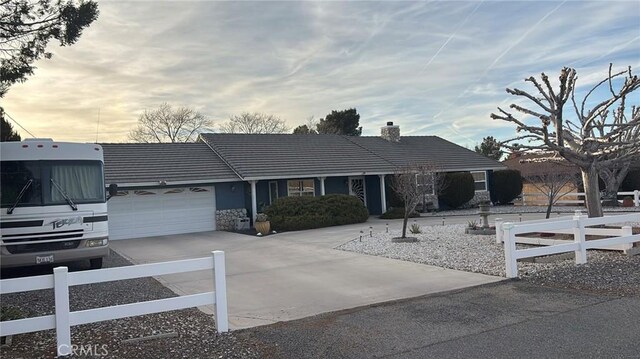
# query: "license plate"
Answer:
x=44 y=259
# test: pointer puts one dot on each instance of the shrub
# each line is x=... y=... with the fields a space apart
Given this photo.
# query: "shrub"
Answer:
x=415 y=229
x=506 y=185
x=298 y=213
x=397 y=213
x=460 y=189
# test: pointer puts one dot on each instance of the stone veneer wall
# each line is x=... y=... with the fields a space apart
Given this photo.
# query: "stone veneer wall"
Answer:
x=226 y=218
x=482 y=196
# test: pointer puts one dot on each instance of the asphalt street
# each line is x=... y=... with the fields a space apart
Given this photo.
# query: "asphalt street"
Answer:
x=511 y=319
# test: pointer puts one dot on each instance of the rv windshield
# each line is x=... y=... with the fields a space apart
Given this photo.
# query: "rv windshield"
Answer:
x=81 y=181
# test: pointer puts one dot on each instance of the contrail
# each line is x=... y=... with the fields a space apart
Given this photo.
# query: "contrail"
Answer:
x=454 y=33
x=495 y=61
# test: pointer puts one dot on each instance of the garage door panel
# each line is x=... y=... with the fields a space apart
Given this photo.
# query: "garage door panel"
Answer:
x=165 y=212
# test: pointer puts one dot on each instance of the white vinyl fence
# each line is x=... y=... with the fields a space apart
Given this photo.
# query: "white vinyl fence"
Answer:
x=539 y=198
x=578 y=225
x=61 y=280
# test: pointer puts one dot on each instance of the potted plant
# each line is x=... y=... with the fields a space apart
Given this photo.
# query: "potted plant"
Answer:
x=262 y=225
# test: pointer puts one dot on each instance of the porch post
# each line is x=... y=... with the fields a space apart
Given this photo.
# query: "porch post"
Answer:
x=383 y=194
x=322 y=185
x=254 y=202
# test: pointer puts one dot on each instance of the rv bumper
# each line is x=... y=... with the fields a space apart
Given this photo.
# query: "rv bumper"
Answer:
x=83 y=252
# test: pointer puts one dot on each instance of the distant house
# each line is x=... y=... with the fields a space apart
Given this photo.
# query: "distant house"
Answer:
x=190 y=187
x=532 y=167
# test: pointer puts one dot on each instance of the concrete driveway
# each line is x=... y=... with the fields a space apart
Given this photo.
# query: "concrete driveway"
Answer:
x=296 y=274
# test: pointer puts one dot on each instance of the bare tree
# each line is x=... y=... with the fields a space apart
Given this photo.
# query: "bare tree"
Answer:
x=590 y=139
x=553 y=177
x=309 y=128
x=254 y=123
x=412 y=183
x=165 y=124
x=613 y=178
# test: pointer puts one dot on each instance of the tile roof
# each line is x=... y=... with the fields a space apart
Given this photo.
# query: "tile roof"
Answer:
x=286 y=155
x=427 y=149
x=170 y=162
x=263 y=156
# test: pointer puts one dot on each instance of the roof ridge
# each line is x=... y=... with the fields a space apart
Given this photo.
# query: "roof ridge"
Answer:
x=219 y=156
x=369 y=150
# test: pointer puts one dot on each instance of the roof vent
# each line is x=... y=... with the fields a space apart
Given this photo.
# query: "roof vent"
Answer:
x=390 y=132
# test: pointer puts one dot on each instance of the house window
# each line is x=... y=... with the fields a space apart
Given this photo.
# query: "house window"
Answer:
x=273 y=191
x=480 y=179
x=425 y=182
x=299 y=188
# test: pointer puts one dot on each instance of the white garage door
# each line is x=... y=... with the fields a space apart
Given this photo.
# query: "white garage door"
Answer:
x=156 y=212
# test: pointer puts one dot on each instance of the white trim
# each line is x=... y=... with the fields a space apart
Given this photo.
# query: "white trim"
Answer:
x=383 y=194
x=354 y=174
x=254 y=201
x=322 y=191
x=486 y=183
x=277 y=191
x=173 y=183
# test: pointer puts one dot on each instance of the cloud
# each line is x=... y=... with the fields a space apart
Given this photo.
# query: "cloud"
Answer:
x=298 y=59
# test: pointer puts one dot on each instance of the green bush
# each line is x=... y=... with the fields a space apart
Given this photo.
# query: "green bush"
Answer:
x=298 y=213
x=460 y=189
x=397 y=213
x=506 y=185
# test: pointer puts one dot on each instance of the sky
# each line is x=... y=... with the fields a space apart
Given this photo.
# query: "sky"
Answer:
x=433 y=68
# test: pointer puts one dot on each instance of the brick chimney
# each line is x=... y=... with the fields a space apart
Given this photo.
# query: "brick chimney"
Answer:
x=390 y=132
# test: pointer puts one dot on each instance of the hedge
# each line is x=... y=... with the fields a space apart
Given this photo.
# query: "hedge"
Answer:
x=298 y=213
x=506 y=185
x=460 y=189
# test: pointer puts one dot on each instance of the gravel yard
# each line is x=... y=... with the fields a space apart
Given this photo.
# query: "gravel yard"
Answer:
x=449 y=247
x=187 y=333
x=526 y=209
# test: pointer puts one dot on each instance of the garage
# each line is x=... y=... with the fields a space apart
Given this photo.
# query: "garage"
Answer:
x=136 y=213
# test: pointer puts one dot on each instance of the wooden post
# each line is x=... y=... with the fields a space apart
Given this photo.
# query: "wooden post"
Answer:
x=220 y=291
x=499 y=233
x=63 y=325
x=636 y=198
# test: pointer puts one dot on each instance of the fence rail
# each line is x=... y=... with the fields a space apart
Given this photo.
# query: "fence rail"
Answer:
x=63 y=318
x=578 y=225
x=543 y=196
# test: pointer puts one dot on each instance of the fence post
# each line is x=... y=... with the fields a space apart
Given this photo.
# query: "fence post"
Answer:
x=499 y=223
x=511 y=263
x=61 y=294
x=636 y=198
x=220 y=291
x=579 y=237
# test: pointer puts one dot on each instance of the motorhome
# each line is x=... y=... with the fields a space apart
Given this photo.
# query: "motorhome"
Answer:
x=53 y=203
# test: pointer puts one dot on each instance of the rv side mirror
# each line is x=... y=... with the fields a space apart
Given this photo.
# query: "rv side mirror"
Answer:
x=113 y=190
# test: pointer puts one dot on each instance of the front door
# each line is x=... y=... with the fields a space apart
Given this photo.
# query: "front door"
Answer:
x=356 y=188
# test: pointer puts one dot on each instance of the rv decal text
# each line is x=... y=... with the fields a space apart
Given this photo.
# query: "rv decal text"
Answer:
x=58 y=223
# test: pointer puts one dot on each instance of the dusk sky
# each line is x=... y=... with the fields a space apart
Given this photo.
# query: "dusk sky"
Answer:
x=434 y=68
